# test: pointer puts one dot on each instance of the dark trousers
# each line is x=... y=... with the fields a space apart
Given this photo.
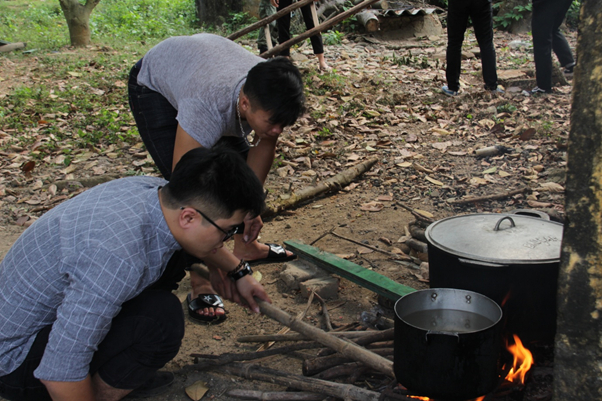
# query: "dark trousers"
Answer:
x=479 y=12
x=156 y=121
x=284 y=28
x=144 y=336
x=546 y=20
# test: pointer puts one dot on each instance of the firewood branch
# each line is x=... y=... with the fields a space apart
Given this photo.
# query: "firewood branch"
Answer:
x=337 y=182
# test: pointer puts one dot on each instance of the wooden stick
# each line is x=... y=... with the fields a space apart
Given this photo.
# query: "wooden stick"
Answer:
x=344 y=391
x=417 y=245
x=285 y=330
x=215 y=360
x=346 y=348
x=274 y=395
x=502 y=195
x=12 y=46
x=415 y=213
x=344 y=370
x=417 y=232
x=325 y=314
x=322 y=27
x=316 y=365
x=323 y=235
x=340 y=180
x=297 y=337
x=269 y=19
x=375 y=336
x=390 y=254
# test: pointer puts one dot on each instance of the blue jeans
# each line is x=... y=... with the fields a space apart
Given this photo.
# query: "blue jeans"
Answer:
x=480 y=13
x=144 y=336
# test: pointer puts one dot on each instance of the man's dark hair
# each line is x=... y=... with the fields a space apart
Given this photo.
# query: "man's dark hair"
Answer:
x=217 y=180
x=276 y=85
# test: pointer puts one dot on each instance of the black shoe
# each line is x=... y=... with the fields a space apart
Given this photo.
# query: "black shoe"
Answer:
x=568 y=69
x=158 y=384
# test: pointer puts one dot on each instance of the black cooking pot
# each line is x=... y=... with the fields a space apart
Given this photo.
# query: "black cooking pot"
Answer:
x=512 y=259
x=447 y=343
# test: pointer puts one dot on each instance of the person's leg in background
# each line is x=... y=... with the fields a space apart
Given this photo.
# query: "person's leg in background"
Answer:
x=542 y=25
x=265 y=10
x=482 y=22
x=457 y=19
x=284 y=26
x=560 y=46
x=316 y=40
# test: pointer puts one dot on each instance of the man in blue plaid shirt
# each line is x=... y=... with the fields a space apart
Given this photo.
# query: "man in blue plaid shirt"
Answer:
x=85 y=292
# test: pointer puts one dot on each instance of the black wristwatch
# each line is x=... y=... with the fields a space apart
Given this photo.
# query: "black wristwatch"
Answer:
x=237 y=274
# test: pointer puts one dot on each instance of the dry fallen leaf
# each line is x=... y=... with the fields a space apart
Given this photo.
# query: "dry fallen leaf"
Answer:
x=363 y=250
x=197 y=390
x=539 y=205
x=424 y=213
x=551 y=187
x=22 y=220
x=372 y=206
x=434 y=181
x=527 y=134
x=28 y=167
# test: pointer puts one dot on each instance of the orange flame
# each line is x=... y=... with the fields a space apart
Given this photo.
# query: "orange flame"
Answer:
x=523 y=359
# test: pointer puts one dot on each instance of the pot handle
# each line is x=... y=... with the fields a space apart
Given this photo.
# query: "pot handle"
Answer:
x=444 y=333
x=480 y=264
x=497 y=225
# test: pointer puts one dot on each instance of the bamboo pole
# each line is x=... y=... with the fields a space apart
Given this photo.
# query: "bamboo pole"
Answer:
x=269 y=19
x=322 y=27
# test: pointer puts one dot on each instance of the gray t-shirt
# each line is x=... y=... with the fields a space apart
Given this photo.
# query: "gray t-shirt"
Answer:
x=74 y=268
x=201 y=76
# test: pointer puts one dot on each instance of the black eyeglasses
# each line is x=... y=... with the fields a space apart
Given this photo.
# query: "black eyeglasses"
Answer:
x=234 y=230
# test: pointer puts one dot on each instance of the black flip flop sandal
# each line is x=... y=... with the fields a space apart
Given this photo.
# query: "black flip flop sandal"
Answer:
x=205 y=301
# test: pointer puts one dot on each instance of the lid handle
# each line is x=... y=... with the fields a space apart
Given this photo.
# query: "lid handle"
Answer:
x=497 y=226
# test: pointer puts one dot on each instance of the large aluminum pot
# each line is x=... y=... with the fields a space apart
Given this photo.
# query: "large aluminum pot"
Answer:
x=512 y=259
x=447 y=343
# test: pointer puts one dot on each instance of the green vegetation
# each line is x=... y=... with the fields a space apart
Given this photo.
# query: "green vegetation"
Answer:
x=332 y=38
x=113 y=22
x=522 y=11
x=516 y=14
x=506 y=108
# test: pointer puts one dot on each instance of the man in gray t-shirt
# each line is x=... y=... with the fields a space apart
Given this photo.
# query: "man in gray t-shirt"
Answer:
x=83 y=310
x=201 y=90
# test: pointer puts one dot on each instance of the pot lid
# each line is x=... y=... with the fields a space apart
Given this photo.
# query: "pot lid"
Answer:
x=498 y=238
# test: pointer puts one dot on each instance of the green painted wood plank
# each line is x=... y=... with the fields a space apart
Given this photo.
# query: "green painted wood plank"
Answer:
x=366 y=278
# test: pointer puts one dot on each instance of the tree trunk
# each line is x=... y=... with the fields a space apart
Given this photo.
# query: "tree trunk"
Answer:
x=522 y=25
x=216 y=12
x=77 y=16
x=578 y=346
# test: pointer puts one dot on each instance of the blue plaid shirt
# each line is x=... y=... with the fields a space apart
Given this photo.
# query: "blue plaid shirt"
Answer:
x=74 y=268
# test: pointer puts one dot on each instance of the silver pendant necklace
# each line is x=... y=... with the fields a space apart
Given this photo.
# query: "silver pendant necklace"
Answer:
x=242 y=130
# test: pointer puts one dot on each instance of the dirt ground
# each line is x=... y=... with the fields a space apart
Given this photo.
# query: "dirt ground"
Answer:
x=425 y=149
